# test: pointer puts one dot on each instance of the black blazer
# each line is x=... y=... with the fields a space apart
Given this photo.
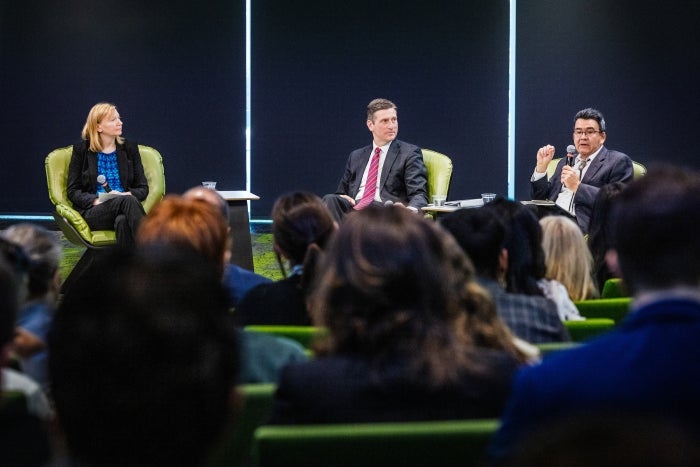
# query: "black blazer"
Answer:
x=607 y=167
x=82 y=174
x=340 y=389
x=403 y=179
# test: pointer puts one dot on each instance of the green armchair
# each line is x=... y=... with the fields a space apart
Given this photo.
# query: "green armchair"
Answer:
x=72 y=223
x=439 y=168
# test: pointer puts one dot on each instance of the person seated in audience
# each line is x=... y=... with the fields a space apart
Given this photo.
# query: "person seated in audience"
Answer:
x=23 y=437
x=526 y=265
x=567 y=257
x=198 y=224
x=599 y=232
x=142 y=360
x=646 y=366
x=395 y=293
x=301 y=227
x=13 y=380
x=237 y=280
x=481 y=234
x=44 y=251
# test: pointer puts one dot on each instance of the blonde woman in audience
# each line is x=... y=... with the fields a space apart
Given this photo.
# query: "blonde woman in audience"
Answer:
x=567 y=257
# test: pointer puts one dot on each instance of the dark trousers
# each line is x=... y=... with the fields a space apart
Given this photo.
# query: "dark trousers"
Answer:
x=122 y=214
x=340 y=207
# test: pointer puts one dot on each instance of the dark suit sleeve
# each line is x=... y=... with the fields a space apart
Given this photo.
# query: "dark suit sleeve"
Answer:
x=349 y=176
x=618 y=168
x=416 y=179
x=80 y=195
x=544 y=188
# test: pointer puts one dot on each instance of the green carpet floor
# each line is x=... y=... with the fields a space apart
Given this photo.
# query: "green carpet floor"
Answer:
x=264 y=259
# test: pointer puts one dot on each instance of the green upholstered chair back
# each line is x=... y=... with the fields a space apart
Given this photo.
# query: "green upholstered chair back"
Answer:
x=439 y=168
x=611 y=308
x=69 y=220
x=581 y=331
x=256 y=404
x=405 y=444
x=304 y=335
x=614 y=288
x=639 y=169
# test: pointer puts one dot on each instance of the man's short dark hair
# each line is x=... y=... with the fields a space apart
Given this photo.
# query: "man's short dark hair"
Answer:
x=377 y=105
x=656 y=230
x=143 y=359
x=591 y=114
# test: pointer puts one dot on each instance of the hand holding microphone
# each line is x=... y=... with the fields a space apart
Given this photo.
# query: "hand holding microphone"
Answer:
x=102 y=180
x=571 y=155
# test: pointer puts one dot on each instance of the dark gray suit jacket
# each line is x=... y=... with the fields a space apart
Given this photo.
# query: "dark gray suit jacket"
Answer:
x=607 y=167
x=403 y=178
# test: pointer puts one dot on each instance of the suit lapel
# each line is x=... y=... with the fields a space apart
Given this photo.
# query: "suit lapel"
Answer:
x=389 y=160
x=596 y=165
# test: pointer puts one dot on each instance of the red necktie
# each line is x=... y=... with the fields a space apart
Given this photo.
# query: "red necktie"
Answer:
x=371 y=183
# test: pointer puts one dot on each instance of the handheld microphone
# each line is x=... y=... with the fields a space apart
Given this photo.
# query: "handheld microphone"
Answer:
x=102 y=180
x=571 y=155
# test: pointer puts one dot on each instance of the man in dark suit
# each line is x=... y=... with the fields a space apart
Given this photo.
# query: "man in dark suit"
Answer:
x=574 y=187
x=401 y=176
x=648 y=366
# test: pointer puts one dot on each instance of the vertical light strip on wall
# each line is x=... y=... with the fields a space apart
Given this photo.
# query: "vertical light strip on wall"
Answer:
x=511 y=102
x=247 y=98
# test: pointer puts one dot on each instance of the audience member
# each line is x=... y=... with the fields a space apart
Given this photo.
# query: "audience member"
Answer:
x=142 y=360
x=577 y=179
x=645 y=367
x=199 y=225
x=34 y=319
x=526 y=265
x=23 y=437
x=567 y=257
x=237 y=280
x=599 y=235
x=394 y=168
x=481 y=234
x=104 y=152
x=301 y=228
x=394 y=293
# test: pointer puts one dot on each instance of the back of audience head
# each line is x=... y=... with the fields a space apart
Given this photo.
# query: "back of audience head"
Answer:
x=394 y=285
x=599 y=230
x=301 y=226
x=19 y=263
x=44 y=252
x=481 y=234
x=211 y=197
x=9 y=304
x=656 y=229
x=143 y=364
x=188 y=223
x=567 y=257
x=524 y=244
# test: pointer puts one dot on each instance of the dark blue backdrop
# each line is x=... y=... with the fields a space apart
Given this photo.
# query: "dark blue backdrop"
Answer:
x=176 y=69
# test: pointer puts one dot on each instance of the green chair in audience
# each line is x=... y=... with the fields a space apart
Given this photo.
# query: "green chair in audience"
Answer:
x=305 y=335
x=406 y=444
x=614 y=288
x=581 y=331
x=611 y=308
x=550 y=348
x=236 y=447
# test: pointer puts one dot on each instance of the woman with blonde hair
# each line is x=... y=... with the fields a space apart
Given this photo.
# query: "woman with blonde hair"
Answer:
x=567 y=257
x=105 y=153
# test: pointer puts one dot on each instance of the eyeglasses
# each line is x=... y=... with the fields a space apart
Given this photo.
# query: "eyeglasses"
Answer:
x=588 y=132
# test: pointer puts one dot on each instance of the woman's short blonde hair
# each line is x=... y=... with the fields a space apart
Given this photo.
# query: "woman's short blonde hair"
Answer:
x=98 y=113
